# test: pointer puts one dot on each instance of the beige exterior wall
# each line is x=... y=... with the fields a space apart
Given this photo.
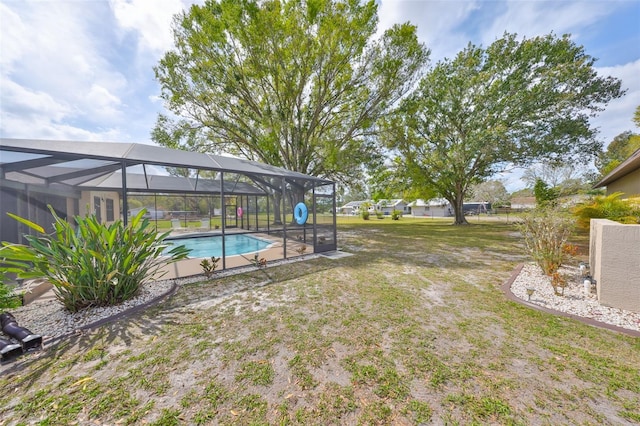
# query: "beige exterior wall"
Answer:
x=629 y=185
x=614 y=257
x=87 y=199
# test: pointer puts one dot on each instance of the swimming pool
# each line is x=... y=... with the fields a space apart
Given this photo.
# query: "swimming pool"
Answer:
x=211 y=245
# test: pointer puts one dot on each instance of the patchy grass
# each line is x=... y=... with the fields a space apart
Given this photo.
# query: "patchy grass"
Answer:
x=412 y=329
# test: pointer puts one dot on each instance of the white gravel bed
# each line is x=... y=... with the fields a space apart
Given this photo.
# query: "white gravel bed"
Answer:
x=574 y=301
x=49 y=319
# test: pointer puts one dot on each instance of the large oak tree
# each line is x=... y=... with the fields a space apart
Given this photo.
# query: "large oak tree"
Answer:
x=514 y=103
x=297 y=84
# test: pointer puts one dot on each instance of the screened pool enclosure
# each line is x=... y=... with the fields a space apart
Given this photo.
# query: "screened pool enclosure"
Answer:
x=191 y=194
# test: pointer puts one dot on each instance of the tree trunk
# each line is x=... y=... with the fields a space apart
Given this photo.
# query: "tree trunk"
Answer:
x=458 y=210
x=277 y=198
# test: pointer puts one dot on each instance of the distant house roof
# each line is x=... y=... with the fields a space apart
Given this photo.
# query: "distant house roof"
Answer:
x=390 y=203
x=434 y=202
x=523 y=201
x=353 y=204
x=629 y=165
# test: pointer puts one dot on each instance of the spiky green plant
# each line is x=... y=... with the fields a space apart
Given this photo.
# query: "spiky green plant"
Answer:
x=93 y=265
x=610 y=207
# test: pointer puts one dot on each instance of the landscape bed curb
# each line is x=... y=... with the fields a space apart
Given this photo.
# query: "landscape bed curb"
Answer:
x=506 y=288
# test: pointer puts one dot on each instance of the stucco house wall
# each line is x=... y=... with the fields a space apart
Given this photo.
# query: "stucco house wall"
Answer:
x=625 y=178
x=628 y=184
x=614 y=257
x=433 y=208
x=90 y=199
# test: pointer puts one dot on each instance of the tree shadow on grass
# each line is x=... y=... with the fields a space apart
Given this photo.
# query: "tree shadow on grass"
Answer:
x=147 y=320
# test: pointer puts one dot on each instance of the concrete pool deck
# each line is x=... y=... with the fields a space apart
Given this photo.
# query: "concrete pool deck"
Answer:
x=190 y=267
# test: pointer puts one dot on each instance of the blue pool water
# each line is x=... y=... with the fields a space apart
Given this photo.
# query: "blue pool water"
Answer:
x=212 y=245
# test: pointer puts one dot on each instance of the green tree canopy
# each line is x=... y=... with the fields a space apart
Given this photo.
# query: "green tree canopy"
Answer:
x=297 y=84
x=620 y=148
x=513 y=103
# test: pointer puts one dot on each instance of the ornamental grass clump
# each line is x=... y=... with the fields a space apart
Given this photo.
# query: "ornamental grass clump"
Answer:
x=546 y=232
x=93 y=265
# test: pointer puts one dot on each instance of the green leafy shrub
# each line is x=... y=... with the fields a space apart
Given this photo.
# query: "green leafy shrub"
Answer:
x=95 y=265
x=608 y=207
x=379 y=214
x=7 y=298
x=544 y=195
x=365 y=214
x=546 y=232
x=209 y=266
x=396 y=214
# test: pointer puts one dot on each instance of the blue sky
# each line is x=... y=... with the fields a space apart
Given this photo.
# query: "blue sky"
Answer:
x=83 y=69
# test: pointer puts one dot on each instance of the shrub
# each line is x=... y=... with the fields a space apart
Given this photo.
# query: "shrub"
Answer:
x=379 y=214
x=544 y=195
x=545 y=232
x=365 y=214
x=396 y=214
x=95 y=265
x=608 y=207
x=7 y=298
x=209 y=266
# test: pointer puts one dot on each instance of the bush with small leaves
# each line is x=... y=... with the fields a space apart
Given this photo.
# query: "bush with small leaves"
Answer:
x=546 y=232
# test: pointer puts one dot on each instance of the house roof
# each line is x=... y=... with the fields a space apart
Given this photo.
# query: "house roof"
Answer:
x=523 y=200
x=389 y=203
x=354 y=204
x=629 y=165
x=434 y=202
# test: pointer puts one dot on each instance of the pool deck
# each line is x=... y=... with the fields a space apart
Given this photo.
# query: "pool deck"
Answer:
x=190 y=267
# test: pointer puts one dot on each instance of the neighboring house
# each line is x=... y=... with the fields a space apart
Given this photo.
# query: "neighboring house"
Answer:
x=625 y=178
x=353 y=207
x=436 y=207
x=523 y=203
x=388 y=206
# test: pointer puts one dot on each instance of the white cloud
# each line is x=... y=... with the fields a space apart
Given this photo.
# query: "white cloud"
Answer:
x=535 y=18
x=436 y=21
x=617 y=118
x=57 y=75
x=103 y=102
x=11 y=47
x=29 y=103
x=150 y=19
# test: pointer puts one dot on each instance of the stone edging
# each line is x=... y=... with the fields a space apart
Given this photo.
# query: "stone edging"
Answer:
x=506 y=288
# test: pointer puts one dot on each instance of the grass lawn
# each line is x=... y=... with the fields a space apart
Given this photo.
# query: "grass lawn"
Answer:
x=412 y=329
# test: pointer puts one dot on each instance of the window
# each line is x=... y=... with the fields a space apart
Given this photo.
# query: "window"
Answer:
x=110 y=216
x=97 y=208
